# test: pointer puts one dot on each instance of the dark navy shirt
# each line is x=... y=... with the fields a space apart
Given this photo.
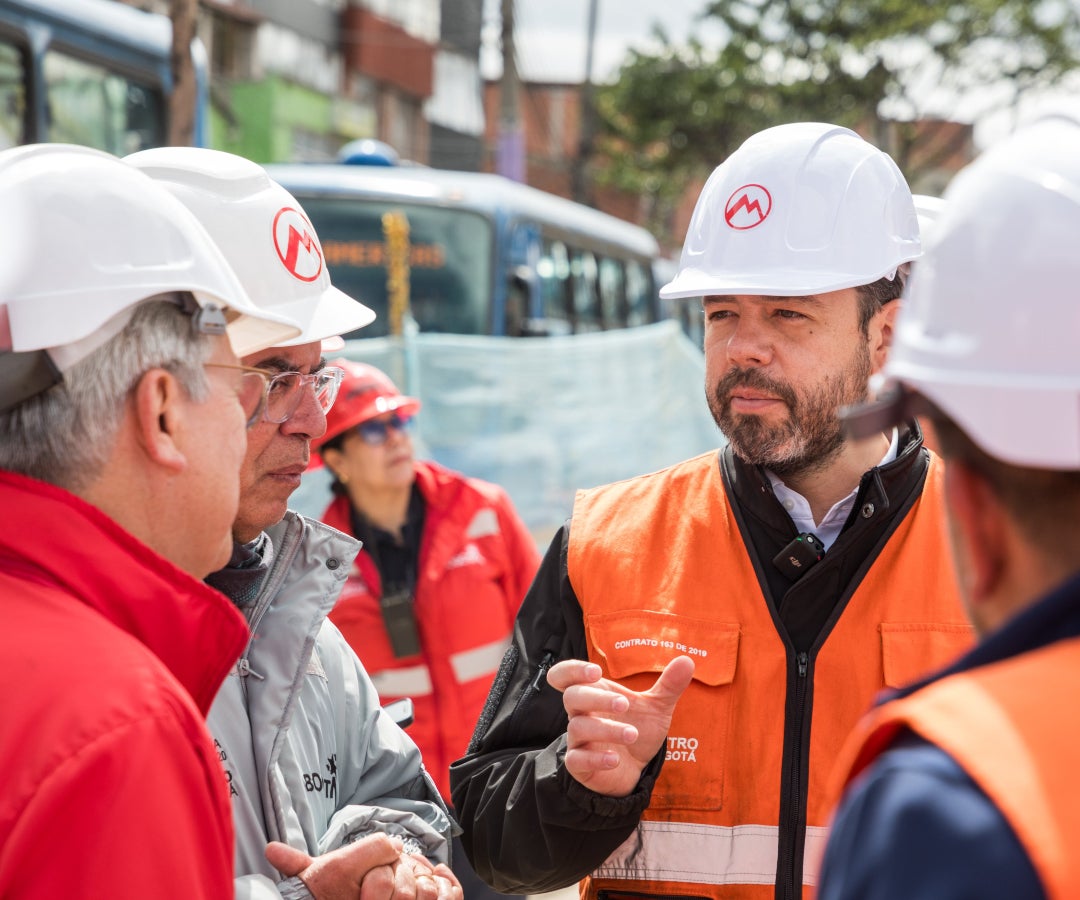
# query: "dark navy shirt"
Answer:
x=914 y=825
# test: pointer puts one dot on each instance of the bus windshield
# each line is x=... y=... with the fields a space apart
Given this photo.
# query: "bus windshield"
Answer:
x=90 y=105
x=92 y=72
x=449 y=256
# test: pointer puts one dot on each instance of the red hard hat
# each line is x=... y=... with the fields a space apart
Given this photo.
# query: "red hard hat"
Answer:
x=366 y=392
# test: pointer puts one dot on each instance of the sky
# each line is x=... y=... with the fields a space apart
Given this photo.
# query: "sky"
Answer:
x=552 y=35
x=552 y=46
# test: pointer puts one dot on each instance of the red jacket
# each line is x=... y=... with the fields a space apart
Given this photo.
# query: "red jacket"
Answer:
x=477 y=559
x=109 y=659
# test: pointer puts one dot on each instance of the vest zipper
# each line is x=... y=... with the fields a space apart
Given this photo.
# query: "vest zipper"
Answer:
x=546 y=662
x=243 y=669
x=537 y=683
x=793 y=801
x=283 y=557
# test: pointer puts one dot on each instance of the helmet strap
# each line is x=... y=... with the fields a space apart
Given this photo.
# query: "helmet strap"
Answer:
x=205 y=319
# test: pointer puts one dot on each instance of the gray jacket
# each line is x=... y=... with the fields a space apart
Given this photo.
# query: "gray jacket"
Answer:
x=310 y=756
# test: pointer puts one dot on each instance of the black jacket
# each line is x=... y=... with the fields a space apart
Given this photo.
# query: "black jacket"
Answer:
x=528 y=825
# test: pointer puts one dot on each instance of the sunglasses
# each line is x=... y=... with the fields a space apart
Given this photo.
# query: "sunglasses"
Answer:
x=376 y=432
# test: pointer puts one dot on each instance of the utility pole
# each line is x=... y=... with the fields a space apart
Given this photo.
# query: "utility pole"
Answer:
x=510 y=150
x=580 y=185
x=181 y=130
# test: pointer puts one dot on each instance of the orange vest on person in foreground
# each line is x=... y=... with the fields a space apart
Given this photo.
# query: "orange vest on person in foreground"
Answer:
x=660 y=568
x=1012 y=727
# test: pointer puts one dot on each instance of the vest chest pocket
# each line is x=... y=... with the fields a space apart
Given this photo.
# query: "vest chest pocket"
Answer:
x=911 y=650
x=633 y=647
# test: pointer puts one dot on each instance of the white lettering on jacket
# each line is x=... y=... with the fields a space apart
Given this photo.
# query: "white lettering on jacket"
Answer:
x=667 y=645
x=470 y=556
x=682 y=749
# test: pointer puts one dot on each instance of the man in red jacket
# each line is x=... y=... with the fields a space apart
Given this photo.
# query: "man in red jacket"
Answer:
x=122 y=430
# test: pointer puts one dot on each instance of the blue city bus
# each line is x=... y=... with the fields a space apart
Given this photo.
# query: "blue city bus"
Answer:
x=91 y=72
x=486 y=255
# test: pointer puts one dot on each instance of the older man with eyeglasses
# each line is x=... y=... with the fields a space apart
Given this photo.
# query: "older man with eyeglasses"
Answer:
x=430 y=602
x=318 y=772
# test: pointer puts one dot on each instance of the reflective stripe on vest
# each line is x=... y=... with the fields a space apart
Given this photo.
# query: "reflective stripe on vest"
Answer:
x=480 y=661
x=707 y=854
x=415 y=681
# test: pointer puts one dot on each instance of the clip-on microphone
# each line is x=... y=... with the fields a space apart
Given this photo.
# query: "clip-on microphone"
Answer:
x=798 y=556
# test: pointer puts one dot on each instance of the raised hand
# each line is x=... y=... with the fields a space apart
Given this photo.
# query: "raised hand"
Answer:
x=613 y=731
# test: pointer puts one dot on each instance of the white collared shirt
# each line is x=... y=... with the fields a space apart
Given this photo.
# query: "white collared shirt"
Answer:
x=799 y=509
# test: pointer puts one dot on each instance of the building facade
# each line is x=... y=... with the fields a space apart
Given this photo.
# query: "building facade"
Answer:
x=295 y=80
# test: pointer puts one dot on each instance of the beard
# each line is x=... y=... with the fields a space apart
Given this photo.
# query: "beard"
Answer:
x=810 y=436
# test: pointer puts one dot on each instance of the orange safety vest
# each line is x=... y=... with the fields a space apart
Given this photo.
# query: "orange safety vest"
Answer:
x=660 y=568
x=1011 y=727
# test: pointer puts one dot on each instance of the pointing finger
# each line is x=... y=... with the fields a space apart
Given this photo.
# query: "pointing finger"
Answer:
x=573 y=671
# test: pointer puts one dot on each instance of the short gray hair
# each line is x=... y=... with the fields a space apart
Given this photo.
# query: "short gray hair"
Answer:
x=65 y=435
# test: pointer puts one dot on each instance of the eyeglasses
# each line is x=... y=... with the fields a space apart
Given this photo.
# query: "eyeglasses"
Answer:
x=254 y=386
x=285 y=392
x=273 y=398
x=376 y=432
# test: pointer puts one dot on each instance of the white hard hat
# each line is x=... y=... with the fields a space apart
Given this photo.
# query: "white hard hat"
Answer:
x=990 y=328
x=263 y=232
x=928 y=209
x=86 y=238
x=797 y=209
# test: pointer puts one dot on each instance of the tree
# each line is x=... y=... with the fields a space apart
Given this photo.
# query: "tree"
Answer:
x=876 y=65
x=673 y=115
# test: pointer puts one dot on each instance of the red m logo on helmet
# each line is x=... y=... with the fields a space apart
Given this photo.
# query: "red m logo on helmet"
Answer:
x=296 y=245
x=747 y=207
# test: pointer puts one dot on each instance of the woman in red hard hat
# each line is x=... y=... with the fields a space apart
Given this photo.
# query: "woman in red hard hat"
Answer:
x=430 y=603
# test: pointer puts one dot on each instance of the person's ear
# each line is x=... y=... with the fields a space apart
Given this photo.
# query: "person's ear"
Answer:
x=334 y=461
x=158 y=409
x=882 y=327
x=977 y=524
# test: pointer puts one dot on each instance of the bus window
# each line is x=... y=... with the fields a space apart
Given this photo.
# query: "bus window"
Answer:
x=612 y=292
x=692 y=318
x=583 y=271
x=12 y=95
x=523 y=248
x=553 y=270
x=91 y=72
x=512 y=260
x=450 y=264
x=516 y=315
x=88 y=104
x=639 y=294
